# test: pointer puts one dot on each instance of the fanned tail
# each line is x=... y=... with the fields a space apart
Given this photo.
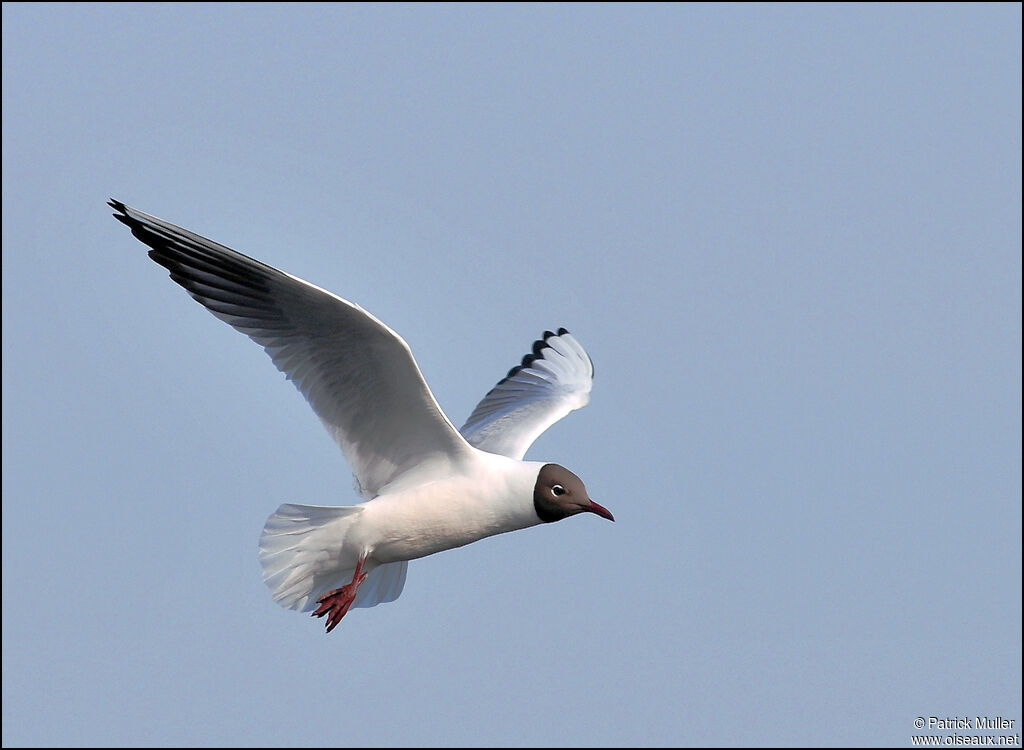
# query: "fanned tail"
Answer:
x=302 y=551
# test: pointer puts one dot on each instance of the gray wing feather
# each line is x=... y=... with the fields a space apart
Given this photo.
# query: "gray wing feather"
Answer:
x=358 y=375
x=553 y=380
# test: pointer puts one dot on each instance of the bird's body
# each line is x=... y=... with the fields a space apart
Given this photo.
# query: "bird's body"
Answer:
x=427 y=486
x=493 y=496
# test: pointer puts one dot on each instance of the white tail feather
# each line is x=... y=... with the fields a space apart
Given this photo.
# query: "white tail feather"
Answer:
x=383 y=585
x=303 y=557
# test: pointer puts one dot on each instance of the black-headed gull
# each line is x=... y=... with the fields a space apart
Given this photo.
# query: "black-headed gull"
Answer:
x=427 y=486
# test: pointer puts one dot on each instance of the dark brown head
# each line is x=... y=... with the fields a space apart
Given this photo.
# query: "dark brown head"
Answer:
x=559 y=493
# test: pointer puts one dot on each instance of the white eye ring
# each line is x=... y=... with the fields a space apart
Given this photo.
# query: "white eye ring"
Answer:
x=558 y=490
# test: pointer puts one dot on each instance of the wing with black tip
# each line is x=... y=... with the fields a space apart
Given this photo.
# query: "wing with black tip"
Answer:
x=553 y=380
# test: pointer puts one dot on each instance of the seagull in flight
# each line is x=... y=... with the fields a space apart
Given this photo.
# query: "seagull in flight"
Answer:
x=426 y=486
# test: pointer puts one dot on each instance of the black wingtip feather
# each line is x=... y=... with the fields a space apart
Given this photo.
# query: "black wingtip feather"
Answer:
x=537 y=352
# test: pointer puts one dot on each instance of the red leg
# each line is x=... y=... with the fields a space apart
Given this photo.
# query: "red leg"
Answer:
x=335 y=603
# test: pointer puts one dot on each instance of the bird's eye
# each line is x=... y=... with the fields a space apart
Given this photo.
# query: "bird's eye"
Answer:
x=558 y=490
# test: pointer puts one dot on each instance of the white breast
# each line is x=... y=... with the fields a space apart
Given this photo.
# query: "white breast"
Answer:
x=491 y=496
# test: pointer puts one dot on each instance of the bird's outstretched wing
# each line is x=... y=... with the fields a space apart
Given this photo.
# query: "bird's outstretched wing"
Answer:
x=550 y=382
x=358 y=375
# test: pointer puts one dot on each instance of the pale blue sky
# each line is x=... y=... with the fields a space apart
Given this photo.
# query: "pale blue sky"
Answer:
x=789 y=237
